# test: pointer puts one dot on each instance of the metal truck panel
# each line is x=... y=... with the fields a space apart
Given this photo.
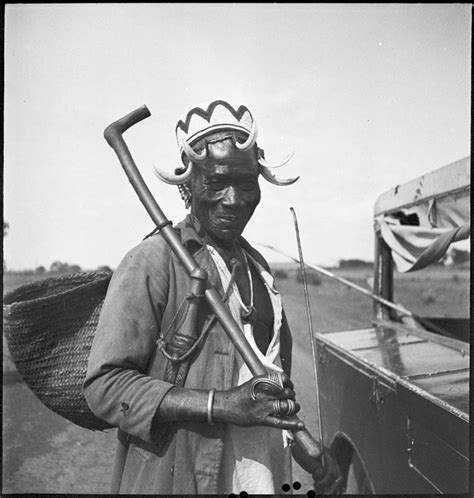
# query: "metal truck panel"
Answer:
x=407 y=355
x=360 y=409
x=401 y=400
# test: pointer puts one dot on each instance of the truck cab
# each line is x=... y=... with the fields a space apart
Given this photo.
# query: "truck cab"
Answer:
x=395 y=397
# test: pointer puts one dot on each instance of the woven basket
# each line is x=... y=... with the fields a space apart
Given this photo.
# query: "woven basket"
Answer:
x=49 y=326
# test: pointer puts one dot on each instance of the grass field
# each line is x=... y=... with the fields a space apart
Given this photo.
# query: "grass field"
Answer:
x=436 y=292
x=44 y=453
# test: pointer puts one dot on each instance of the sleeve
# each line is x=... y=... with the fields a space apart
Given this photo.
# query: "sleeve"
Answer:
x=117 y=387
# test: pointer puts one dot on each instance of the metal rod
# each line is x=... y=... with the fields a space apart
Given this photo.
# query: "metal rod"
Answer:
x=422 y=320
x=310 y=325
x=345 y=282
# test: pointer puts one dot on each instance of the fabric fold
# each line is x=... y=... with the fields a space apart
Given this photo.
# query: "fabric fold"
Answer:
x=416 y=247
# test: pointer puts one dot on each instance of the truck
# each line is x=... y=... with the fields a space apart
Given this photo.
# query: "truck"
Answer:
x=394 y=397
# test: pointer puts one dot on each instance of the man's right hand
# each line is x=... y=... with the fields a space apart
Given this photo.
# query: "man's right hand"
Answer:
x=236 y=406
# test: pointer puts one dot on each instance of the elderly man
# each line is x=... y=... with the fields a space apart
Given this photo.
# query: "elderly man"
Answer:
x=204 y=430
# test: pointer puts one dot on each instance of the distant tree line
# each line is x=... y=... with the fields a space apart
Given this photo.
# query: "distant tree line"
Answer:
x=355 y=263
x=60 y=267
x=312 y=277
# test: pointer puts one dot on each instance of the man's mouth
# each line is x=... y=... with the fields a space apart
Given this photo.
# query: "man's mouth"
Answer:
x=227 y=220
x=225 y=223
x=227 y=217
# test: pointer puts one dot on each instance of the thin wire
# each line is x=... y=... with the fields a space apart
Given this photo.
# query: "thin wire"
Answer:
x=345 y=282
x=310 y=328
x=404 y=312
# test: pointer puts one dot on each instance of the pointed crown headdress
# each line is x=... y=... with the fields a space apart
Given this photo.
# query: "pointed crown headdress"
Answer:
x=207 y=119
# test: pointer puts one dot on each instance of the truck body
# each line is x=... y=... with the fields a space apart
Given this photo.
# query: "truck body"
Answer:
x=395 y=397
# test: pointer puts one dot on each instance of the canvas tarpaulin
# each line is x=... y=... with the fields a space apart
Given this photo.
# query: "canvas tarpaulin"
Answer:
x=439 y=222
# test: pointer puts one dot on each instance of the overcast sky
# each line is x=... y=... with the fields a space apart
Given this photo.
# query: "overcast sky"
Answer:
x=367 y=95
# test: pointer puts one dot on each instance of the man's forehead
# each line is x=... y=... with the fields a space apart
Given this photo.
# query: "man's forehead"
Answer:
x=225 y=160
x=222 y=148
x=228 y=168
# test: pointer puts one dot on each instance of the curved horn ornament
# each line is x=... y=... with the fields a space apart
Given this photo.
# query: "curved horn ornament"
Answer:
x=192 y=154
x=250 y=142
x=173 y=178
x=270 y=177
x=266 y=164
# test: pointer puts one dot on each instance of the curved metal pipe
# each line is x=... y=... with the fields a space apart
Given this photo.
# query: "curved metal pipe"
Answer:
x=113 y=134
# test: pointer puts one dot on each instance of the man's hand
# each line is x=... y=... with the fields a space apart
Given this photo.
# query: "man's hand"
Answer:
x=328 y=479
x=237 y=406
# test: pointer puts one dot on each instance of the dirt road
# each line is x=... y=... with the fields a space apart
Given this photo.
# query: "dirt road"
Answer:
x=44 y=453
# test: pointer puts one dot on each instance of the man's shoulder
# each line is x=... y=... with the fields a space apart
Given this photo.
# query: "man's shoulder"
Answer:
x=155 y=241
x=152 y=244
x=154 y=248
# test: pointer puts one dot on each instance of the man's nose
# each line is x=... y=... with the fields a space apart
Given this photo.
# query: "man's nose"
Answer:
x=232 y=198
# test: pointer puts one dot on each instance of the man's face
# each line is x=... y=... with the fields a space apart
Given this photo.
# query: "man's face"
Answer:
x=225 y=190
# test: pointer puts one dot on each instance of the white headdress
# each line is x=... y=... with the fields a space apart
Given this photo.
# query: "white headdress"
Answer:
x=218 y=116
